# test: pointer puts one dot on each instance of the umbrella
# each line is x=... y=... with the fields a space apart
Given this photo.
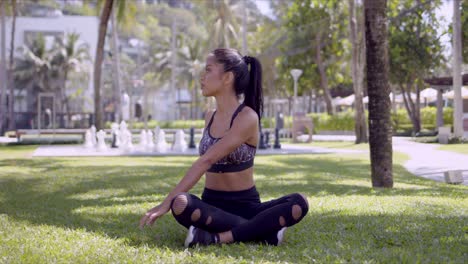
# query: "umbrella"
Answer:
x=450 y=94
x=429 y=94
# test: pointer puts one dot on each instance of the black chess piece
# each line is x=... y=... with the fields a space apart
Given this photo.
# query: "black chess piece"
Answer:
x=114 y=140
x=277 y=144
x=192 y=138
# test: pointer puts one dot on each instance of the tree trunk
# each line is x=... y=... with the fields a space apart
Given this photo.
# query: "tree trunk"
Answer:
x=380 y=130
x=457 y=78
x=412 y=108
x=65 y=99
x=117 y=74
x=440 y=111
x=360 y=127
x=323 y=74
x=105 y=14
x=12 y=124
x=3 y=74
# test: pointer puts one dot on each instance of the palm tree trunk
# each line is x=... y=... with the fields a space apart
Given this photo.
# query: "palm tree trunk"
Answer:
x=457 y=78
x=117 y=74
x=12 y=123
x=360 y=127
x=106 y=11
x=323 y=74
x=3 y=74
x=380 y=130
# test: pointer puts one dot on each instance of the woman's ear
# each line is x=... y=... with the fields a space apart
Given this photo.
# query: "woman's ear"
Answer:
x=228 y=78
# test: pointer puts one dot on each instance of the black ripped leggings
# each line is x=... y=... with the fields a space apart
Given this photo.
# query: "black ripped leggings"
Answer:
x=241 y=212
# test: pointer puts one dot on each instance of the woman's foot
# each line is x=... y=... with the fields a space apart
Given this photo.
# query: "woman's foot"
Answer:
x=277 y=238
x=201 y=237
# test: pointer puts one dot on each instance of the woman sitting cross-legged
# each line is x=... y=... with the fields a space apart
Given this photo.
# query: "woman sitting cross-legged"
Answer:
x=229 y=209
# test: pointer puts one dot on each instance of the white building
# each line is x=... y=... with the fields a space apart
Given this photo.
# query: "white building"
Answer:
x=50 y=27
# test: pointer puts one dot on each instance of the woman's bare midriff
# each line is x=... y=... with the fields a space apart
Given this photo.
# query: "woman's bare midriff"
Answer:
x=230 y=181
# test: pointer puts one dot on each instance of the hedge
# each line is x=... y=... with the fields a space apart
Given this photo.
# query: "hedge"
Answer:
x=342 y=121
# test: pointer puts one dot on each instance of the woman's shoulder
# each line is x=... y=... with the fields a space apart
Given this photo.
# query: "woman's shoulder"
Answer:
x=247 y=114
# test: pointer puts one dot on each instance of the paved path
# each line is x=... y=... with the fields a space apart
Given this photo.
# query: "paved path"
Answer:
x=425 y=160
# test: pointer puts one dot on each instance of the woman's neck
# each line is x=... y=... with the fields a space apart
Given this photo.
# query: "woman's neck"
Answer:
x=226 y=104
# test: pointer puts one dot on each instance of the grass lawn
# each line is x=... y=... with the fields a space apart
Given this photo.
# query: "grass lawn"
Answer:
x=86 y=210
x=460 y=148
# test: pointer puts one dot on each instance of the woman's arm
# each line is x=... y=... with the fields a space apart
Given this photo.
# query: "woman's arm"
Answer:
x=241 y=131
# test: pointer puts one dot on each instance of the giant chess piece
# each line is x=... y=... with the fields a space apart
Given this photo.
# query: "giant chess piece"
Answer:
x=115 y=135
x=88 y=141
x=180 y=145
x=127 y=143
x=93 y=135
x=101 y=143
x=267 y=139
x=149 y=140
x=122 y=129
x=161 y=144
x=143 y=139
x=192 y=138
x=262 y=142
x=277 y=144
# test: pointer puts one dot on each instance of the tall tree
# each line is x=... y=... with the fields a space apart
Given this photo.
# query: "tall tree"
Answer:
x=415 y=50
x=3 y=74
x=104 y=19
x=457 y=75
x=464 y=26
x=380 y=130
x=318 y=28
x=357 y=71
x=12 y=123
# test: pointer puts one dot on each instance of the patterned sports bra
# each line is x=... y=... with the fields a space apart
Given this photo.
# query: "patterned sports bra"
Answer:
x=240 y=159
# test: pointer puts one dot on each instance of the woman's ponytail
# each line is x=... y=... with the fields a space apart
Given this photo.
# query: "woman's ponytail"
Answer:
x=253 y=95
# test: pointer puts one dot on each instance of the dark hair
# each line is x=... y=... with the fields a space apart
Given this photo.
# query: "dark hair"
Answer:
x=247 y=82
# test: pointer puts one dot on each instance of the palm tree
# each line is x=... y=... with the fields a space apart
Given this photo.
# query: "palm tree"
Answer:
x=32 y=69
x=225 y=27
x=3 y=78
x=11 y=67
x=104 y=19
x=69 y=55
x=380 y=130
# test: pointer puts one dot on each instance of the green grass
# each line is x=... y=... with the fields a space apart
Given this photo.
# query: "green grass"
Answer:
x=86 y=210
x=460 y=148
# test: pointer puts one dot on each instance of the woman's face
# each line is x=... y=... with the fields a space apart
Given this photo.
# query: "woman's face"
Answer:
x=211 y=79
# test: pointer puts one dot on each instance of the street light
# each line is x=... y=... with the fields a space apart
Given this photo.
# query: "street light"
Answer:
x=296 y=73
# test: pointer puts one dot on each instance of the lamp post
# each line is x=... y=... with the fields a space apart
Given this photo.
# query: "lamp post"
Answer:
x=296 y=73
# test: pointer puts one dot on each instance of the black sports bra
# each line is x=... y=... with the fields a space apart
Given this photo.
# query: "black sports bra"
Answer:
x=240 y=159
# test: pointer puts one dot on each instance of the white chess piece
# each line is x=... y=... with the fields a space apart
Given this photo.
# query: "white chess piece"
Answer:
x=156 y=133
x=93 y=135
x=128 y=140
x=161 y=144
x=88 y=141
x=150 y=142
x=143 y=139
x=180 y=145
x=122 y=128
x=101 y=143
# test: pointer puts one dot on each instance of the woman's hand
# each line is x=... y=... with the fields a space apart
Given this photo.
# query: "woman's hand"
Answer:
x=153 y=214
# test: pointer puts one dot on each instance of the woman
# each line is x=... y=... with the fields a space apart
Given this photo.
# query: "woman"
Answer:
x=230 y=209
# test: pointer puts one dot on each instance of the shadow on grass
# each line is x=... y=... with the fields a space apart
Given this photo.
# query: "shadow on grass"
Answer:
x=110 y=200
